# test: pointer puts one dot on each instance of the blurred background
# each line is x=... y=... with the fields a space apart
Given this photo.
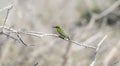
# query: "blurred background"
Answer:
x=84 y=20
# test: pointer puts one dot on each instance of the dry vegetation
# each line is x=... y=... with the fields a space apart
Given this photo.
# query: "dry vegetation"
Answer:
x=27 y=37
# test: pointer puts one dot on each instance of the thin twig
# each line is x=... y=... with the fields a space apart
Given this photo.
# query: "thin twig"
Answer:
x=6 y=8
x=18 y=35
x=6 y=18
x=84 y=45
x=10 y=36
x=96 y=51
x=7 y=14
x=36 y=34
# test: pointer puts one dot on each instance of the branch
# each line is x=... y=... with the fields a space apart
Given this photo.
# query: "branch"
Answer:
x=84 y=45
x=109 y=10
x=14 y=31
x=9 y=36
x=40 y=35
x=8 y=11
x=96 y=51
x=6 y=8
x=19 y=37
x=103 y=14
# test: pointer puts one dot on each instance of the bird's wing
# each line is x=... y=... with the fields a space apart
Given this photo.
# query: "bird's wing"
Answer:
x=63 y=33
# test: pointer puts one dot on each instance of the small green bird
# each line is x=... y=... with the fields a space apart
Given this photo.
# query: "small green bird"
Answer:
x=62 y=33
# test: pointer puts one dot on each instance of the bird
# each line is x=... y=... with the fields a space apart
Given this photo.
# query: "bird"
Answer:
x=62 y=33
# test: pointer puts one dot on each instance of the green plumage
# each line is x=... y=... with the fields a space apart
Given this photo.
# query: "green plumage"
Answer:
x=62 y=33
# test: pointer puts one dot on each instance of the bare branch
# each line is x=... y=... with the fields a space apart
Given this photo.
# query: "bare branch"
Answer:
x=8 y=11
x=36 y=34
x=103 y=14
x=96 y=51
x=6 y=8
x=109 y=10
x=7 y=14
x=18 y=35
x=43 y=35
x=9 y=36
x=84 y=45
